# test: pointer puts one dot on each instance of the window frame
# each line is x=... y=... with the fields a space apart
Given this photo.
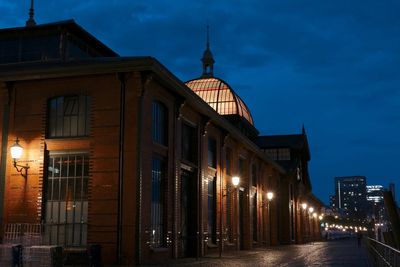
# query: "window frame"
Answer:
x=56 y=122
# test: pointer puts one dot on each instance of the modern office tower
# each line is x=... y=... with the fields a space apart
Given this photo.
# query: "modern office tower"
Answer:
x=351 y=197
x=376 y=209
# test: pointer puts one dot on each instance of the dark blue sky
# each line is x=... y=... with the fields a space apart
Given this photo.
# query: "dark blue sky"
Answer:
x=332 y=65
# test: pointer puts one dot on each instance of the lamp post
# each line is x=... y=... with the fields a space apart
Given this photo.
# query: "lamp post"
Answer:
x=235 y=183
x=270 y=196
x=16 y=152
x=311 y=210
x=304 y=207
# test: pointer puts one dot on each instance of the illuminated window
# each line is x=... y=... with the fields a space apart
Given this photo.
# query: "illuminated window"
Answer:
x=66 y=199
x=69 y=116
x=159 y=123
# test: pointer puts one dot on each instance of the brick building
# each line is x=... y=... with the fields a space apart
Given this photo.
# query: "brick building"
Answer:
x=123 y=154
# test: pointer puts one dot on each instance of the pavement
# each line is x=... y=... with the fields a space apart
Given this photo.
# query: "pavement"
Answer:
x=333 y=253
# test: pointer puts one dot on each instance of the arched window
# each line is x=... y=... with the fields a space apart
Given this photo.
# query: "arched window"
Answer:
x=69 y=116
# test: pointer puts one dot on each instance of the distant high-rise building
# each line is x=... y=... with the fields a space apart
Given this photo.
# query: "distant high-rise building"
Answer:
x=375 y=200
x=351 y=196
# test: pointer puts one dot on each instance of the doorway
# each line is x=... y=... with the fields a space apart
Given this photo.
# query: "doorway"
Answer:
x=189 y=214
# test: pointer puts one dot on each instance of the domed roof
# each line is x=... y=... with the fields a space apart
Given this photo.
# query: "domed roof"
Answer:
x=220 y=96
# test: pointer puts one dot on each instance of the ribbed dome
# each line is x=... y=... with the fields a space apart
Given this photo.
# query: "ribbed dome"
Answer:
x=220 y=96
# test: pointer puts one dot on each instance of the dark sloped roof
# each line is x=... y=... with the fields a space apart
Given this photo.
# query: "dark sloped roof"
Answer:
x=68 y=25
x=274 y=141
x=293 y=141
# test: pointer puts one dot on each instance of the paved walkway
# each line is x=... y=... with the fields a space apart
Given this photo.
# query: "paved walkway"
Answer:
x=327 y=254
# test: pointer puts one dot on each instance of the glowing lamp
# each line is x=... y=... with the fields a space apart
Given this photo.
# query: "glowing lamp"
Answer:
x=16 y=152
x=235 y=180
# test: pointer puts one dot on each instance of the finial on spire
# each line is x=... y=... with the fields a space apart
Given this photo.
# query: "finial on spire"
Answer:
x=208 y=36
x=31 y=21
x=207 y=59
x=303 y=130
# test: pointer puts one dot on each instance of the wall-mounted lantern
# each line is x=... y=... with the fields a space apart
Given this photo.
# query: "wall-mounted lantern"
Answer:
x=235 y=181
x=304 y=206
x=16 y=153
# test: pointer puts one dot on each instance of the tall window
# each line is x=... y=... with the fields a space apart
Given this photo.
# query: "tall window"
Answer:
x=212 y=153
x=189 y=143
x=66 y=199
x=157 y=202
x=159 y=123
x=69 y=116
x=241 y=167
x=212 y=224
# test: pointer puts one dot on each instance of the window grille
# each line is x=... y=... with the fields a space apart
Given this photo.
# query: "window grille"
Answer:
x=212 y=224
x=66 y=199
x=157 y=234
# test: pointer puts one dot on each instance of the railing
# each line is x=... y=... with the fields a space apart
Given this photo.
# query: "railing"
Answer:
x=382 y=254
x=25 y=234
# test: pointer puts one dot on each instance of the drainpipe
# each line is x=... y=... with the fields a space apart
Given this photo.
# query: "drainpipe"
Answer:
x=121 y=78
x=145 y=80
x=4 y=143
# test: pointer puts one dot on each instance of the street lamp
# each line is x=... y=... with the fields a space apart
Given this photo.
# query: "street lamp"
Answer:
x=305 y=221
x=235 y=181
x=16 y=153
x=270 y=196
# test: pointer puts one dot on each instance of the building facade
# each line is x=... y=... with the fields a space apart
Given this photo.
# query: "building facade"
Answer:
x=119 y=152
x=351 y=197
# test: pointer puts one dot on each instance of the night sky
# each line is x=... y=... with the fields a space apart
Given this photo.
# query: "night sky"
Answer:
x=332 y=65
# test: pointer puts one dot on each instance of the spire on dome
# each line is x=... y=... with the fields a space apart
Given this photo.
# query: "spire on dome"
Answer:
x=207 y=59
x=31 y=21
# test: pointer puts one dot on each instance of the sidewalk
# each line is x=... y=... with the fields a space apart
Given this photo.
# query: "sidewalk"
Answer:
x=325 y=254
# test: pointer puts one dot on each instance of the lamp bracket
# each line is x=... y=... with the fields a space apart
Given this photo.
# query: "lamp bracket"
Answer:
x=23 y=169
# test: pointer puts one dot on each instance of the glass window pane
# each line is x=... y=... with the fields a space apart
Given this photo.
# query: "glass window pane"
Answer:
x=68 y=116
